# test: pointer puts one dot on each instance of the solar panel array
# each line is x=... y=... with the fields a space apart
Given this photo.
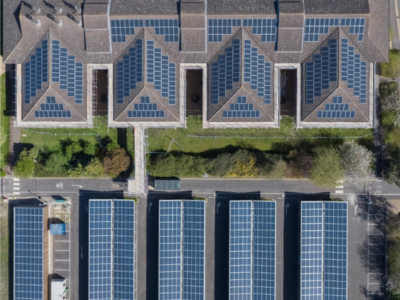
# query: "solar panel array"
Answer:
x=335 y=247
x=161 y=72
x=168 y=28
x=324 y=229
x=219 y=27
x=124 y=250
x=181 y=249
x=129 y=71
x=121 y=28
x=28 y=253
x=252 y=250
x=257 y=71
x=357 y=26
x=241 y=109
x=316 y=26
x=225 y=71
x=321 y=71
x=265 y=27
x=51 y=109
x=354 y=71
x=67 y=72
x=311 y=251
x=145 y=109
x=36 y=71
x=336 y=110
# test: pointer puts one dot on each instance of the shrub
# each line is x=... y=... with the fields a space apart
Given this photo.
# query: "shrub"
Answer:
x=220 y=165
x=243 y=164
x=116 y=162
x=72 y=149
x=94 y=168
x=56 y=162
x=386 y=88
x=326 y=168
x=24 y=167
x=299 y=165
x=279 y=169
x=89 y=149
x=392 y=68
x=181 y=165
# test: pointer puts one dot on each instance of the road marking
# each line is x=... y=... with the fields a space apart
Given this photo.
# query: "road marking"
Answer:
x=16 y=179
x=16 y=193
x=339 y=186
x=16 y=183
x=339 y=192
x=396 y=6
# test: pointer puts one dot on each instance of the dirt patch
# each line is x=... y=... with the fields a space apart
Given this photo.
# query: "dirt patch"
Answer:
x=395 y=206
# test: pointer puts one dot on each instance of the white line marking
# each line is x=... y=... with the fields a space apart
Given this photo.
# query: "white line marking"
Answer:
x=16 y=179
x=16 y=188
x=339 y=186
x=338 y=192
x=16 y=193
x=16 y=183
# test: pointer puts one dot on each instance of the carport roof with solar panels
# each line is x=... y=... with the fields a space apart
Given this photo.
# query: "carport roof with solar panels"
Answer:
x=241 y=48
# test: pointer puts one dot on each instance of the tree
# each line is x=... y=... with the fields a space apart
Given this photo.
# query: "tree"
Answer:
x=29 y=154
x=243 y=164
x=116 y=162
x=89 y=149
x=357 y=162
x=326 y=168
x=24 y=167
x=73 y=148
x=181 y=165
x=94 y=168
x=56 y=162
x=299 y=165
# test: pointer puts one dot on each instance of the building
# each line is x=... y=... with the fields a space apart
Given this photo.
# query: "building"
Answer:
x=112 y=250
x=31 y=246
x=311 y=59
x=324 y=250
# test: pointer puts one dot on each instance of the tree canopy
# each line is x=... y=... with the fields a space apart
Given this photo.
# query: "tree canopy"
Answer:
x=326 y=168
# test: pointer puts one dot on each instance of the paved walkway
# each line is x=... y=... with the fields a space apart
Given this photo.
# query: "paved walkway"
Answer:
x=139 y=186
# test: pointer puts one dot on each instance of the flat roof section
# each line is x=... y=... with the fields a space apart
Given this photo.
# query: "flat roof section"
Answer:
x=252 y=254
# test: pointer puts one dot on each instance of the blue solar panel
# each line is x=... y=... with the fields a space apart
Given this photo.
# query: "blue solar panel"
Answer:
x=265 y=27
x=241 y=109
x=311 y=273
x=161 y=72
x=354 y=71
x=170 y=255
x=336 y=110
x=29 y=234
x=168 y=28
x=356 y=25
x=36 y=72
x=219 y=27
x=67 y=72
x=100 y=249
x=335 y=247
x=51 y=109
x=321 y=71
x=316 y=26
x=129 y=71
x=124 y=249
x=257 y=72
x=225 y=71
x=240 y=250
x=145 y=109
x=264 y=250
x=193 y=249
x=121 y=28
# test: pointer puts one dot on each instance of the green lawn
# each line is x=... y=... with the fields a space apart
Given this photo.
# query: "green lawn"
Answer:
x=4 y=249
x=4 y=123
x=261 y=139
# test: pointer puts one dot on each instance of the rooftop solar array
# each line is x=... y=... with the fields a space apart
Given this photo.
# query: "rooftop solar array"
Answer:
x=316 y=26
x=121 y=28
x=356 y=26
x=257 y=71
x=36 y=71
x=161 y=72
x=336 y=110
x=145 y=109
x=129 y=71
x=241 y=109
x=168 y=28
x=265 y=27
x=354 y=71
x=67 y=72
x=51 y=109
x=324 y=250
x=219 y=27
x=321 y=71
x=29 y=270
x=252 y=250
x=225 y=71
x=112 y=249
x=181 y=249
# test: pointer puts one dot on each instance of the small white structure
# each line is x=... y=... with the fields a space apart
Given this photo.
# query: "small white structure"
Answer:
x=58 y=289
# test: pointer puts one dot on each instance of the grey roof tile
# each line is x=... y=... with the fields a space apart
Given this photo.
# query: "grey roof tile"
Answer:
x=192 y=8
x=97 y=41
x=95 y=9
x=336 y=6
x=193 y=40
x=290 y=40
x=240 y=7
x=144 y=7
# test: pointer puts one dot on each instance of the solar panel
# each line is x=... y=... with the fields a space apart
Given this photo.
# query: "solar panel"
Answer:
x=168 y=28
x=36 y=72
x=321 y=71
x=225 y=71
x=193 y=249
x=219 y=27
x=121 y=28
x=336 y=110
x=100 y=249
x=170 y=255
x=257 y=71
x=335 y=247
x=265 y=27
x=51 y=109
x=241 y=109
x=161 y=72
x=354 y=71
x=357 y=26
x=124 y=250
x=67 y=72
x=129 y=71
x=29 y=250
x=316 y=26
x=311 y=282
x=145 y=109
